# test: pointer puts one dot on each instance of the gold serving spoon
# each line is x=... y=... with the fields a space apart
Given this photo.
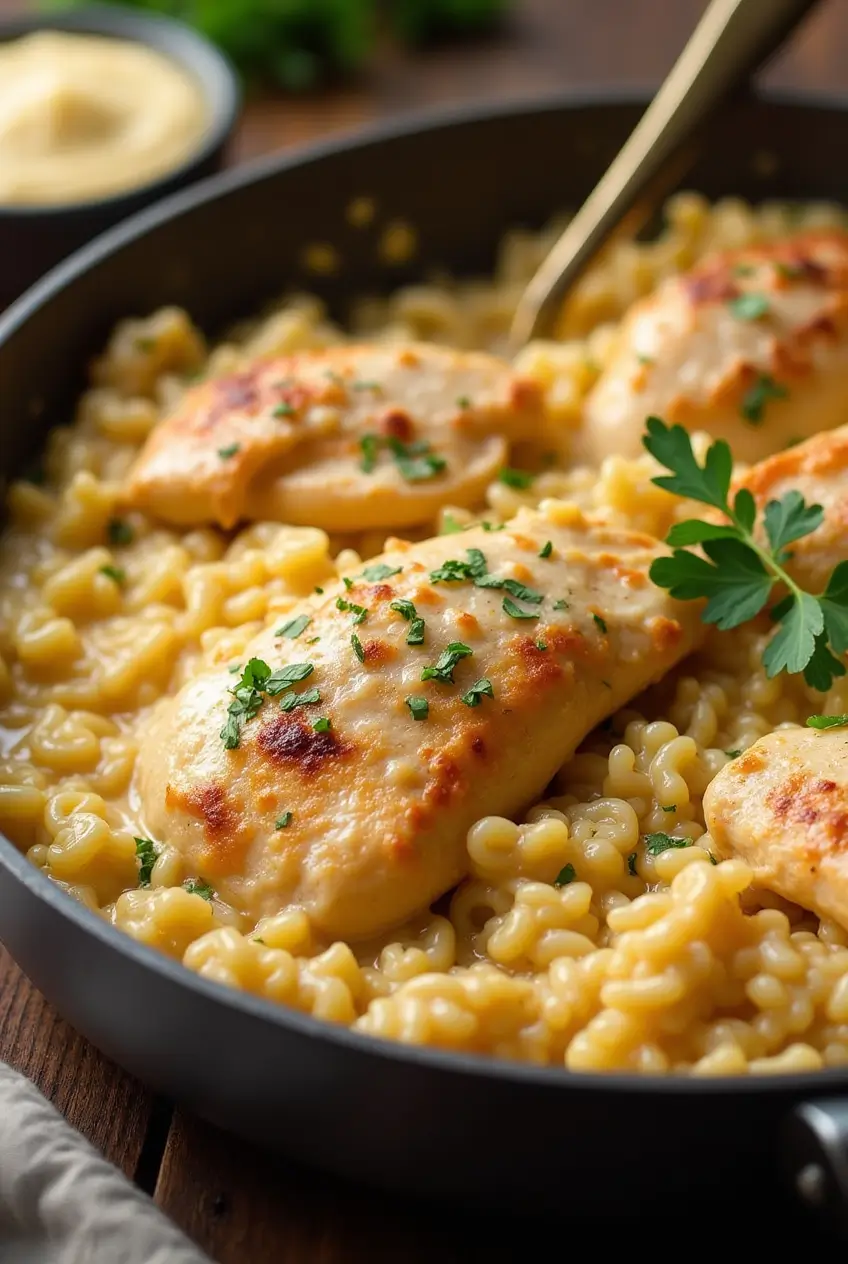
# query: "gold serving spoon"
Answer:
x=733 y=38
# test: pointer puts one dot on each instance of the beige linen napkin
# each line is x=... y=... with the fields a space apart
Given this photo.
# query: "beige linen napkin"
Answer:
x=62 y=1203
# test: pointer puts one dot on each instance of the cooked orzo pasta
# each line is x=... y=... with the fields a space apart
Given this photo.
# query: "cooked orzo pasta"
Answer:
x=598 y=930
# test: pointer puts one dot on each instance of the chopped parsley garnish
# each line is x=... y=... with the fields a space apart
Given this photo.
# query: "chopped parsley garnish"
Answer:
x=739 y=573
x=600 y=622
x=463 y=402
x=294 y=627
x=283 y=410
x=282 y=822
x=450 y=526
x=360 y=613
x=672 y=807
x=116 y=573
x=284 y=677
x=198 y=886
x=547 y=549
x=541 y=645
x=560 y=604
x=631 y=864
x=566 y=874
x=366 y=386
x=415 y=635
x=357 y=647
x=322 y=725
x=757 y=396
x=791 y=271
x=119 y=531
x=519 y=479
x=312 y=640
x=515 y=612
x=146 y=853
x=380 y=571
x=257 y=679
x=493 y=526
x=442 y=669
x=230 y=450
x=644 y=359
x=369 y=446
x=348 y=582
x=233 y=668
x=827 y=721
x=289 y=701
x=733 y=754
x=319 y=590
x=749 y=306
x=522 y=592
x=657 y=843
x=416 y=461
x=481 y=689
x=419 y=707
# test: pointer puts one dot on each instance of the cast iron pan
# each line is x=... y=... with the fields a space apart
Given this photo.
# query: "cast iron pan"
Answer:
x=487 y=1131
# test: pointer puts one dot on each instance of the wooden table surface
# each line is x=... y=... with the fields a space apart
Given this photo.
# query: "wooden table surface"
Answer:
x=240 y=1205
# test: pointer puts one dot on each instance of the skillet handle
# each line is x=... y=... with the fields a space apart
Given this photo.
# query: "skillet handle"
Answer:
x=815 y=1155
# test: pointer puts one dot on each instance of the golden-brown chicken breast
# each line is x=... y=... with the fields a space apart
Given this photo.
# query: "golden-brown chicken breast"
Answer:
x=818 y=469
x=348 y=439
x=751 y=346
x=448 y=679
x=782 y=807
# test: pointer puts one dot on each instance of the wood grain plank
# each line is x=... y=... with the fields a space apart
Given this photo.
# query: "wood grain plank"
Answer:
x=97 y=1097
x=240 y=1204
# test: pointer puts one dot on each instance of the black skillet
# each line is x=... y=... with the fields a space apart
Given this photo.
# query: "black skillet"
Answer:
x=487 y=1131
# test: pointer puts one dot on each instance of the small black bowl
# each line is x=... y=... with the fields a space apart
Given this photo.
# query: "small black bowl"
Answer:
x=34 y=238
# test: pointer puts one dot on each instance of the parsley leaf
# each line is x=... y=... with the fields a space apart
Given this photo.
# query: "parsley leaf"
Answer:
x=116 y=573
x=290 y=700
x=566 y=874
x=450 y=526
x=443 y=668
x=757 y=396
x=145 y=850
x=547 y=549
x=819 y=722
x=360 y=612
x=322 y=724
x=519 y=479
x=283 y=410
x=738 y=574
x=379 y=571
x=515 y=612
x=294 y=627
x=600 y=622
x=357 y=647
x=119 y=531
x=230 y=450
x=522 y=592
x=656 y=844
x=280 y=680
x=369 y=446
x=197 y=886
x=415 y=635
x=479 y=690
x=419 y=707
x=283 y=822
x=416 y=462
x=749 y=306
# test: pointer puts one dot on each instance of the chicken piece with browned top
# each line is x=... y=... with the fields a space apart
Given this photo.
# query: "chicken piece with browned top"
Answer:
x=750 y=346
x=444 y=681
x=782 y=807
x=350 y=438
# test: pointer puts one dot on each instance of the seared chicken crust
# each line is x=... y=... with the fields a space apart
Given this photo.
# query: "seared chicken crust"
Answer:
x=818 y=469
x=347 y=439
x=380 y=801
x=782 y=807
x=751 y=346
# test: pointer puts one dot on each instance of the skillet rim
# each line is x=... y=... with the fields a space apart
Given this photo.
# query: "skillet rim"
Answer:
x=799 y=1084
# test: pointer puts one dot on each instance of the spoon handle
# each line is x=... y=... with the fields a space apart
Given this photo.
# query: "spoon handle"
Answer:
x=732 y=39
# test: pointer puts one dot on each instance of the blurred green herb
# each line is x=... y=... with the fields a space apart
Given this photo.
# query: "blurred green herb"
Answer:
x=298 y=44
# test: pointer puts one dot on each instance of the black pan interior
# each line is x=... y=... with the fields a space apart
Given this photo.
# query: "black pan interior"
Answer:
x=406 y=1118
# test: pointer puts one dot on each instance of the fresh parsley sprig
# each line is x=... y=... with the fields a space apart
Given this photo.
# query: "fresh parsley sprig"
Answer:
x=738 y=573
